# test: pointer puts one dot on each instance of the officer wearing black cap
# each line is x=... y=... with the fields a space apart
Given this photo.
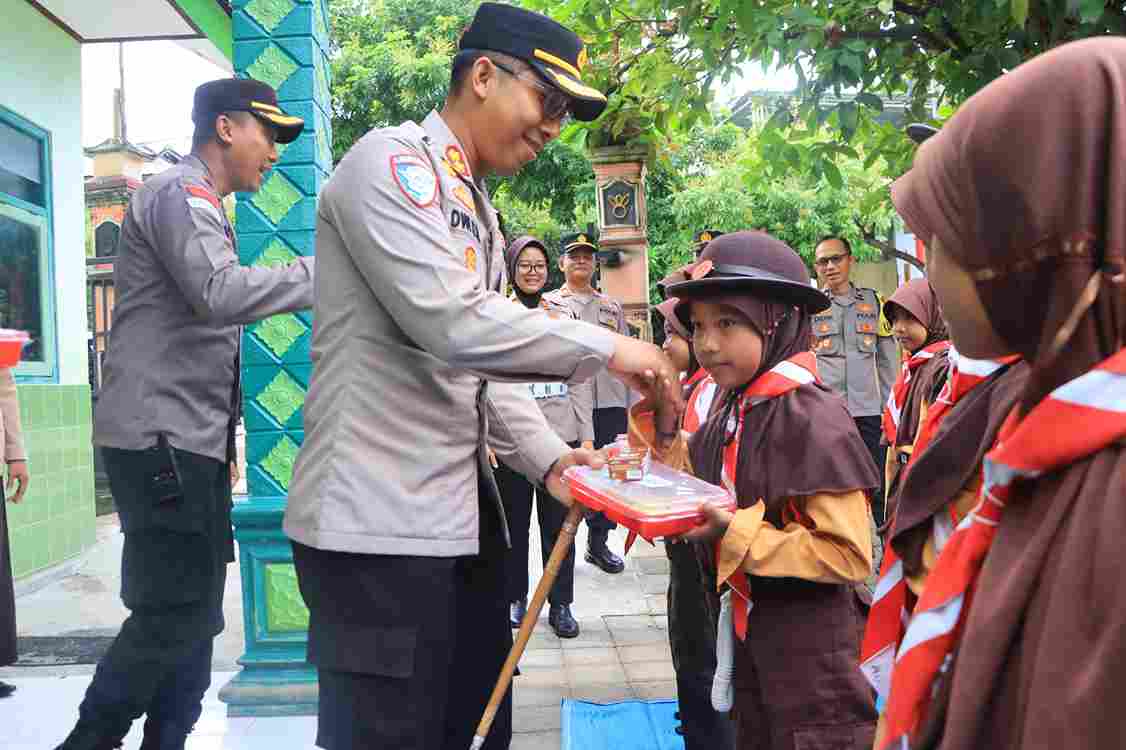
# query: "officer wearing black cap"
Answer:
x=578 y=261
x=166 y=413
x=702 y=238
x=399 y=536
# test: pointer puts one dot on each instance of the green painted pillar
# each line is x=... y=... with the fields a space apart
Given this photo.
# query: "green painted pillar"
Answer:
x=283 y=43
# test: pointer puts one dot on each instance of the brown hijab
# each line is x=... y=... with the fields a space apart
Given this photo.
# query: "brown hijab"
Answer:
x=917 y=297
x=1025 y=187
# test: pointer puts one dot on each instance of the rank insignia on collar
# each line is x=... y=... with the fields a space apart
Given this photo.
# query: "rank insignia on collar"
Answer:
x=471 y=259
x=415 y=179
x=456 y=160
x=464 y=198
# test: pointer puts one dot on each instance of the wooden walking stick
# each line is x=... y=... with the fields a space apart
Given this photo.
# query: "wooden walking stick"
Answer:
x=550 y=572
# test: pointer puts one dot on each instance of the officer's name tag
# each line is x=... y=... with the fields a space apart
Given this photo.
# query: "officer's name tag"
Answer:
x=466 y=223
x=547 y=390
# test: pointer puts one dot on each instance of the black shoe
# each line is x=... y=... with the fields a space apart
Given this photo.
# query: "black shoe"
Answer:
x=6 y=689
x=598 y=554
x=87 y=736
x=562 y=621
x=160 y=735
x=516 y=612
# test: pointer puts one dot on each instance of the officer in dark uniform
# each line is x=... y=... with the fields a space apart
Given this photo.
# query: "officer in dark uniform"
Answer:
x=166 y=413
x=702 y=239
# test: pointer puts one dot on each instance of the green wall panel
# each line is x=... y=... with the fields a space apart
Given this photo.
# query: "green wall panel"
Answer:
x=55 y=521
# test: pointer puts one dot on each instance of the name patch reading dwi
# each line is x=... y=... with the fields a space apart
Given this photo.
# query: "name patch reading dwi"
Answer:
x=415 y=179
x=464 y=222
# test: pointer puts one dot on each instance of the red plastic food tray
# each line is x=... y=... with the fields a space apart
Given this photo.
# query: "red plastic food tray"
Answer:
x=11 y=344
x=666 y=502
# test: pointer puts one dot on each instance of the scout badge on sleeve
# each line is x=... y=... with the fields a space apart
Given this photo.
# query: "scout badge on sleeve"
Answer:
x=415 y=179
x=456 y=160
x=464 y=198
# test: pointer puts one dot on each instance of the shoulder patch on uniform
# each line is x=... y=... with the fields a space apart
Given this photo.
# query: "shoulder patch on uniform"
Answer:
x=456 y=160
x=471 y=259
x=462 y=194
x=415 y=179
x=202 y=192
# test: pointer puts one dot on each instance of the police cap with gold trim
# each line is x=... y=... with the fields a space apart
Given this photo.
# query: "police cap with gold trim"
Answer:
x=579 y=241
x=244 y=95
x=556 y=52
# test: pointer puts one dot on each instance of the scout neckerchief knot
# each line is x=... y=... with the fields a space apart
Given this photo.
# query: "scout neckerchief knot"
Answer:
x=893 y=601
x=1096 y=400
x=898 y=396
x=786 y=376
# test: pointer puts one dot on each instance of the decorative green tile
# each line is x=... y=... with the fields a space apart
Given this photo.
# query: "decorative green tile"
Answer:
x=321 y=80
x=269 y=13
x=276 y=197
x=278 y=463
x=319 y=27
x=272 y=66
x=323 y=148
x=285 y=609
x=278 y=332
x=277 y=253
x=282 y=397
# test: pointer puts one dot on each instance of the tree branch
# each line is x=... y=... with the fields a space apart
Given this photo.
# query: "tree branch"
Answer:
x=887 y=250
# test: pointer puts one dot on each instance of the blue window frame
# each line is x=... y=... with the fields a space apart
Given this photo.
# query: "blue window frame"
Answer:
x=27 y=243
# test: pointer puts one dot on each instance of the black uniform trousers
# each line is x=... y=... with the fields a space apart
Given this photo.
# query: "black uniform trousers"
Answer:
x=693 y=606
x=516 y=494
x=609 y=422
x=872 y=432
x=173 y=571
x=8 y=653
x=407 y=648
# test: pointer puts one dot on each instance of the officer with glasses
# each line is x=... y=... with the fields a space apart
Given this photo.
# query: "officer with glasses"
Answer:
x=420 y=366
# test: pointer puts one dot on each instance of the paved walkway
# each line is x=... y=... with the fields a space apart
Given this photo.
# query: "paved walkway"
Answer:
x=622 y=652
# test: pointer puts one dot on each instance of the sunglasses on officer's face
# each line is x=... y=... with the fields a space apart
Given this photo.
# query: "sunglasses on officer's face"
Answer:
x=835 y=260
x=556 y=104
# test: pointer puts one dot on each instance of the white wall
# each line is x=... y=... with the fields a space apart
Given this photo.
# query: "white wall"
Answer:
x=41 y=80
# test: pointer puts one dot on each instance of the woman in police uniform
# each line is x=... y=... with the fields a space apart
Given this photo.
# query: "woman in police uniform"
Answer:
x=569 y=411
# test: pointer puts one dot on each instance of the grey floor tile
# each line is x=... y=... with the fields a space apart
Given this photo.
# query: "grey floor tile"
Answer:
x=645 y=652
x=649 y=671
x=537 y=741
x=603 y=693
x=652 y=565
x=651 y=691
x=654 y=584
x=595 y=674
x=542 y=657
x=638 y=637
x=658 y=604
x=537 y=719
x=539 y=695
x=586 y=656
x=540 y=677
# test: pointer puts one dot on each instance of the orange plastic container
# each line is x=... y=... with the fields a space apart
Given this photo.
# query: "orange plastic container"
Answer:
x=11 y=345
x=665 y=502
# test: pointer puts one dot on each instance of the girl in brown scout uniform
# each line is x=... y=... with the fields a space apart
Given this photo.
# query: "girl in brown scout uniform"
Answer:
x=917 y=325
x=1019 y=638
x=791 y=454
x=693 y=603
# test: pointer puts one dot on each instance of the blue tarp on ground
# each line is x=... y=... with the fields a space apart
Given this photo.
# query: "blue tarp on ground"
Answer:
x=629 y=725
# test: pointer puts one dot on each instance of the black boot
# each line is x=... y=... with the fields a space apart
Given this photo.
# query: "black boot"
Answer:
x=162 y=735
x=6 y=689
x=562 y=621
x=516 y=612
x=597 y=553
x=90 y=736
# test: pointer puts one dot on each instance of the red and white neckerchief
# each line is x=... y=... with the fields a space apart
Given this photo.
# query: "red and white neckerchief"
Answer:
x=898 y=396
x=699 y=402
x=893 y=601
x=786 y=376
x=1097 y=401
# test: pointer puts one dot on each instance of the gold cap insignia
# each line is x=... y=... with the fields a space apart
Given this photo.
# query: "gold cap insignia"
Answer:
x=706 y=237
x=581 y=239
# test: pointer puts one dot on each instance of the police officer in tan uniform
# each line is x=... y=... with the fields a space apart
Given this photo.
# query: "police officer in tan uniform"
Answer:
x=579 y=261
x=568 y=411
x=856 y=353
x=166 y=412
x=419 y=363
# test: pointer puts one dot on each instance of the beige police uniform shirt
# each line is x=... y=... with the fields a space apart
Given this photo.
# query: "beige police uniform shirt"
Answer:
x=856 y=354
x=606 y=312
x=11 y=437
x=568 y=409
x=410 y=327
x=171 y=364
